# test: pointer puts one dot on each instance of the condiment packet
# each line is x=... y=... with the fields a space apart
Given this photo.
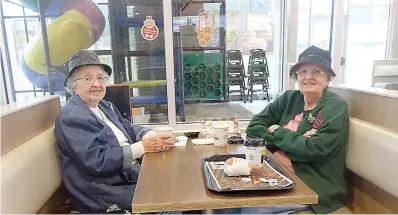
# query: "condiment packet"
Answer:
x=246 y=179
x=273 y=182
x=263 y=180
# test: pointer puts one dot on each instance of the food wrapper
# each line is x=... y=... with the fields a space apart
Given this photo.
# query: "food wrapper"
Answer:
x=237 y=167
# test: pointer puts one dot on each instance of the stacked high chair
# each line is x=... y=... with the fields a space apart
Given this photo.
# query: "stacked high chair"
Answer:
x=235 y=74
x=258 y=74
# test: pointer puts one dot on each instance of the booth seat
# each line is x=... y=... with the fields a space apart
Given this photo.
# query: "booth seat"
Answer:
x=31 y=175
x=371 y=160
x=30 y=163
x=372 y=177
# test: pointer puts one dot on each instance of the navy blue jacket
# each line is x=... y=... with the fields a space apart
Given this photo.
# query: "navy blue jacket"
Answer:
x=96 y=171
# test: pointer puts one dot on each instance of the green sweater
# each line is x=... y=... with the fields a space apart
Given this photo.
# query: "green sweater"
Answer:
x=319 y=160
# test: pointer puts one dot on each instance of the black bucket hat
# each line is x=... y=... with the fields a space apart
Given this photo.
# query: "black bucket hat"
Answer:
x=316 y=56
x=85 y=57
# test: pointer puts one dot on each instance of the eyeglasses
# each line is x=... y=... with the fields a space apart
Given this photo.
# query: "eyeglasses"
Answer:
x=314 y=73
x=89 y=79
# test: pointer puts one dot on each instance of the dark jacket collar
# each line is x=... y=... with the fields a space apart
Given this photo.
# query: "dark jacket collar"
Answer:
x=324 y=96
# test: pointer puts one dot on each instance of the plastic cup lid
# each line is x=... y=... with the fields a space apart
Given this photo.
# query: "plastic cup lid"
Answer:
x=255 y=142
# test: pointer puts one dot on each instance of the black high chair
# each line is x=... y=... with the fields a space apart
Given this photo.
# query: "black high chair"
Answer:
x=235 y=73
x=258 y=73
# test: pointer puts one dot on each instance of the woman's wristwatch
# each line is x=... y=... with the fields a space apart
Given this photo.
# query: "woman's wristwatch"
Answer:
x=272 y=128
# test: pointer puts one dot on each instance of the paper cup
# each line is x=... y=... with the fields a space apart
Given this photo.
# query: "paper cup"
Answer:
x=220 y=135
x=255 y=151
x=164 y=131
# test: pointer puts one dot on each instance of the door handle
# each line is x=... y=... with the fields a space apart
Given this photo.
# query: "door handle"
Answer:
x=342 y=61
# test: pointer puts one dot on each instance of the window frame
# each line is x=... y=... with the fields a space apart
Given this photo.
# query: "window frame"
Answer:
x=286 y=14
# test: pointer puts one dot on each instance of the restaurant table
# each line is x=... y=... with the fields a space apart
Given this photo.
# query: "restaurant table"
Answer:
x=174 y=181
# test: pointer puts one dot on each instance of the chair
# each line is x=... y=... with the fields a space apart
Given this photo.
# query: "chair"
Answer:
x=235 y=74
x=258 y=73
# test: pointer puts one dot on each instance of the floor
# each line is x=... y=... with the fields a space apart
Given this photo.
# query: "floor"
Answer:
x=196 y=112
x=255 y=107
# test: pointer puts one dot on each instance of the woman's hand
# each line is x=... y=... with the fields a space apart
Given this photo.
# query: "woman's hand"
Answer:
x=310 y=133
x=158 y=143
x=272 y=128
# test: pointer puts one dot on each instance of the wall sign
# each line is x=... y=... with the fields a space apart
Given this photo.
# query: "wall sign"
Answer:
x=204 y=28
x=149 y=30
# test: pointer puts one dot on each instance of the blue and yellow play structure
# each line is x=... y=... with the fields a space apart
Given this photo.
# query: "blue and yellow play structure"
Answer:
x=79 y=24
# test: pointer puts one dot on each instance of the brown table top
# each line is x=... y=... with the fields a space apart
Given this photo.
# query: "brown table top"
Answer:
x=174 y=181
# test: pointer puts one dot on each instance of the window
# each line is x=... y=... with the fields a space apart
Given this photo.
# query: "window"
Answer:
x=228 y=63
x=21 y=25
x=214 y=70
x=12 y=8
x=104 y=42
x=118 y=41
x=366 y=39
x=17 y=40
x=314 y=24
x=369 y=2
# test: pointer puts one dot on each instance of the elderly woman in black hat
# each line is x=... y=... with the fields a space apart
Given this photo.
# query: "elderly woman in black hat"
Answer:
x=307 y=130
x=99 y=149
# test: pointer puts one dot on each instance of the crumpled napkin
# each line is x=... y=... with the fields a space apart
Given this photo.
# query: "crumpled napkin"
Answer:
x=181 y=141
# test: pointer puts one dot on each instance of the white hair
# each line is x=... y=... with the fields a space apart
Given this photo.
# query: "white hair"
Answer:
x=71 y=82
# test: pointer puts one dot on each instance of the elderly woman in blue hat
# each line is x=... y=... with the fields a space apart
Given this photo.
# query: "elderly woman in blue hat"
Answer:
x=99 y=149
x=307 y=130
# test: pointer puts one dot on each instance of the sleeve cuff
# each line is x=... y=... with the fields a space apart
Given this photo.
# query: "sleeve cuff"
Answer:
x=137 y=150
x=149 y=134
x=280 y=133
x=142 y=133
x=127 y=157
x=270 y=139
